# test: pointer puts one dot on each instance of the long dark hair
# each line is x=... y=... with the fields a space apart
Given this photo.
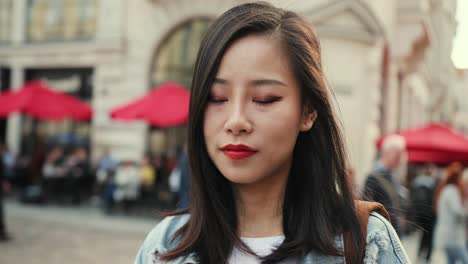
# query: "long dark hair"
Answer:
x=318 y=203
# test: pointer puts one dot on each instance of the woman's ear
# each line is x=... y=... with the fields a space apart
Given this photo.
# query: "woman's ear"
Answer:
x=308 y=120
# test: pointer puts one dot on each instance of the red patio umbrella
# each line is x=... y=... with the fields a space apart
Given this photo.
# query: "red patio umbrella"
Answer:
x=40 y=101
x=166 y=105
x=434 y=143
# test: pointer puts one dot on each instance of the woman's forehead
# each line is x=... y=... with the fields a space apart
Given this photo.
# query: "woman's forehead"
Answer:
x=255 y=56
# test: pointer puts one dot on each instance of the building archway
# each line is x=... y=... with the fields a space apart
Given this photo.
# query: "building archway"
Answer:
x=174 y=60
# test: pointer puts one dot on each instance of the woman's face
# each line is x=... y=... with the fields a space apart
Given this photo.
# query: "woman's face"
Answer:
x=254 y=114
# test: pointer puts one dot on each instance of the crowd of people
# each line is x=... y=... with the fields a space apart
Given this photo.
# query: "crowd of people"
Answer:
x=432 y=201
x=67 y=176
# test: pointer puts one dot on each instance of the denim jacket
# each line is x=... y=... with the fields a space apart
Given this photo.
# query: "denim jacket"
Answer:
x=382 y=244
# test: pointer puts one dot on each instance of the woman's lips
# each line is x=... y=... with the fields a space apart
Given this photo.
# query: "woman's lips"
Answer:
x=238 y=154
x=238 y=151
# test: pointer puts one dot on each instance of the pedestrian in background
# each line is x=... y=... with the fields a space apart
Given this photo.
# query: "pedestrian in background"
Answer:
x=79 y=180
x=165 y=197
x=106 y=167
x=127 y=184
x=383 y=183
x=9 y=159
x=148 y=177
x=105 y=177
x=268 y=166
x=53 y=174
x=450 y=232
x=422 y=212
x=3 y=185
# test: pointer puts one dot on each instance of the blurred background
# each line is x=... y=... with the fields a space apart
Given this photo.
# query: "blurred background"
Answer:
x=86 y=186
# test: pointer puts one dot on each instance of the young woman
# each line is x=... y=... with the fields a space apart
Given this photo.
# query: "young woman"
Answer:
x=450 y=232
x=267 y=160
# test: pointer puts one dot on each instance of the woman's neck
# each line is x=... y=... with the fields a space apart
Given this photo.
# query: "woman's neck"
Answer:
x=259 y=207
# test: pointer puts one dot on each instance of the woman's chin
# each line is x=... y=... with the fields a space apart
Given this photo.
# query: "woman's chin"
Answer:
x=243 y=180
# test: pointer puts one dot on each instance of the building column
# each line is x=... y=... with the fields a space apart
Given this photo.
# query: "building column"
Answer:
x=20 y=13
x=370 y=130
x=393 y=100
x=13 y=133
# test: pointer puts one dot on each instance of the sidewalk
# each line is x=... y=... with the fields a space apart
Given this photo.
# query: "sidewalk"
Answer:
x=411 y=244
x=48 y=234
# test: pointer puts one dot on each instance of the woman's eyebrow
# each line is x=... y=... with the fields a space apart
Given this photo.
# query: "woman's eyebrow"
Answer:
x=261 y=82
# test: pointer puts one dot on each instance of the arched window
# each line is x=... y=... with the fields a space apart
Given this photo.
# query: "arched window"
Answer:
x=174 y=61
x=176 y=56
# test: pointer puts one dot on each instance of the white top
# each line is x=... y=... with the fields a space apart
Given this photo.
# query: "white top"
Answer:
x=262 y=246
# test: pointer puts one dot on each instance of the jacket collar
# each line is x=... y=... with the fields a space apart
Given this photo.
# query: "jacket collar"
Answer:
x=310 y=258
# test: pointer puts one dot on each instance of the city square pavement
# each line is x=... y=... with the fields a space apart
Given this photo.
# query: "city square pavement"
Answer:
x=52 y=235
x=82 y=235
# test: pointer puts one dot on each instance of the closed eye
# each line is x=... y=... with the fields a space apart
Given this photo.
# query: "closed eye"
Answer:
x=268 y=100
x=217 y=100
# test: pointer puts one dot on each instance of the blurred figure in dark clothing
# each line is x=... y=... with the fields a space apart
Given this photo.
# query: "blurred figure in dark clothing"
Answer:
x=79 y=180
x=162 y=171
x=422 y=211
x=3 y=232
x=22 y=172
x=38 y=158
x=184 y=189
x=165 y=198
x=8 y=159
x=383 y=183
x=53 y=174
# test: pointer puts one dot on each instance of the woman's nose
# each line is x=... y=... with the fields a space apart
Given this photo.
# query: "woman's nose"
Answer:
x=238 y=121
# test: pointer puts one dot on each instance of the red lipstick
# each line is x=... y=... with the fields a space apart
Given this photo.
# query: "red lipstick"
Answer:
x=238 y=151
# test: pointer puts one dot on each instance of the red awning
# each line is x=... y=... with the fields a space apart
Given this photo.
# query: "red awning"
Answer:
x=40 y=101
x=434 y=143
x=166 y=105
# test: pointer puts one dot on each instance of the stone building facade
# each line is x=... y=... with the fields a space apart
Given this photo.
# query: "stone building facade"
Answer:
x=387 y=61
